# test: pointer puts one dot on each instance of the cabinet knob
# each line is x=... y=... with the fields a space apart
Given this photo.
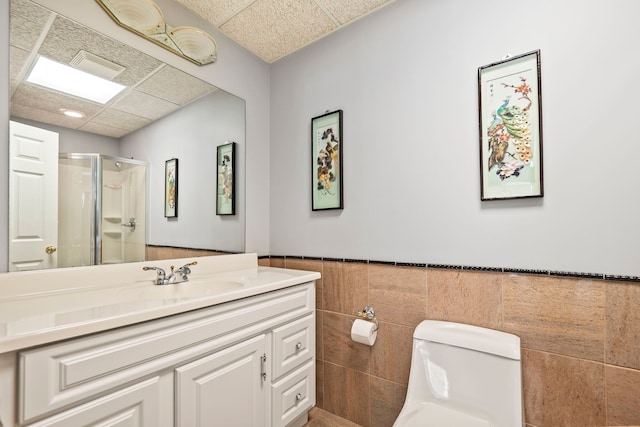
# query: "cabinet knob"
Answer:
x=298 y=346
x=298 y=397
x=50 y=249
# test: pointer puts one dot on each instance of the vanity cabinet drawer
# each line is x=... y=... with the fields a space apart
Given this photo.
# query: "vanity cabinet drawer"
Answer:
x=293 y=344
x=294 y=394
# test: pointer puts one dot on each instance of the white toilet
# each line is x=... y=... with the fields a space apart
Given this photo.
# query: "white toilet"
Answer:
x=463 y=376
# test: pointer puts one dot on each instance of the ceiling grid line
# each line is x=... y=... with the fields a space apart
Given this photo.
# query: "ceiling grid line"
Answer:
x=220 y=22
x=329 y=14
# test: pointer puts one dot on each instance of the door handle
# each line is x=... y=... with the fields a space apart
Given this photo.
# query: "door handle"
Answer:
x=50 y=249
x=131 y=224
x=263 y=371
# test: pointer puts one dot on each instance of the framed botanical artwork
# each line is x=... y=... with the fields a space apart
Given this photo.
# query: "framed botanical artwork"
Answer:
x=226 y=179
x=171 y=188
x=510 y=105
x=326 y=161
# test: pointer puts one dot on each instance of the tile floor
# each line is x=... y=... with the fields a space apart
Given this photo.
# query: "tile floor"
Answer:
x=321 y=418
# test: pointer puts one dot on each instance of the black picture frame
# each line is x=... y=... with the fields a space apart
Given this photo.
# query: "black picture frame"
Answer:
x=510 y=125
x=226 y=179
x=326 y=162
x=171 y=188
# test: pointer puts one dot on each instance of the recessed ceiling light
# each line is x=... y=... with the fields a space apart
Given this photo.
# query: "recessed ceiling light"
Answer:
x=72 y=113
x=63 y=78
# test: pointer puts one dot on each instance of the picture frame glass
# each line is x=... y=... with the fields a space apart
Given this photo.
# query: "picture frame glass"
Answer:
x=171 y=188
x=225 y=179
x=511 y=128
x=326 y=159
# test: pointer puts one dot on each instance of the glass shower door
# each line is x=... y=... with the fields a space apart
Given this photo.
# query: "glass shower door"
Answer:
x=76 y=209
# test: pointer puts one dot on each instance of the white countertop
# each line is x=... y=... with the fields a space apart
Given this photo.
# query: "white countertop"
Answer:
x=42 y=307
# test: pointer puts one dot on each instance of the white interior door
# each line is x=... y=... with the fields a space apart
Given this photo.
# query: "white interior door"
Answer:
x=33 y=197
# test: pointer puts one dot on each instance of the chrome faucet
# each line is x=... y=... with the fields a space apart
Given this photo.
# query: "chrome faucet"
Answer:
x=176 y=276
x=182 y=273
x=161 y=279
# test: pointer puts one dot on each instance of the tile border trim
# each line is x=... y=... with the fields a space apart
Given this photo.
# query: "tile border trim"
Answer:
x=535 y=272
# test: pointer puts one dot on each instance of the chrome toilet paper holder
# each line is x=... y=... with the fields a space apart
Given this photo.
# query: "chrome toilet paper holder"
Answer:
x=368 y=313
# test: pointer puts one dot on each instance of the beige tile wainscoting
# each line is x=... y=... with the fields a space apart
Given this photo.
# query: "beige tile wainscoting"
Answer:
x=580 y=337
x=155 y=253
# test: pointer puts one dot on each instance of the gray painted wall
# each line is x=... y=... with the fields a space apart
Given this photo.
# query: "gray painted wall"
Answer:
x=406 y=78
x=192 y=135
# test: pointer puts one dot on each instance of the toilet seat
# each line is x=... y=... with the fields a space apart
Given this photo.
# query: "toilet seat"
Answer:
x=433 y=415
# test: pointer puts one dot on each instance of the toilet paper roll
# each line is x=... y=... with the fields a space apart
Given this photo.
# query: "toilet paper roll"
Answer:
x=364 y=332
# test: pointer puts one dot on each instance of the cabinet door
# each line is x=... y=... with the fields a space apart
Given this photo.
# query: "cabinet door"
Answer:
x=226 y=388
x=134 y=406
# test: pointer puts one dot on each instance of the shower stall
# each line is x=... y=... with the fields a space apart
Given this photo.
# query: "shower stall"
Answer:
x=102 y=209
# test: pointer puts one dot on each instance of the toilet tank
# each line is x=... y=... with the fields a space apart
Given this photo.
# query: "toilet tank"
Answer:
x=467 y=369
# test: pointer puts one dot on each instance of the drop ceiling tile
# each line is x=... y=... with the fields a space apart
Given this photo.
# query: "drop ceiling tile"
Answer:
x=120 y=120
x=216 y=12
x=105 y=130
x=175 y=86
x=36 y=97
x=25 y=29
x=145 y=105
x=30 y=11
x=273 y=28
x=19 y=58
x=39 y=115
x=347 y=10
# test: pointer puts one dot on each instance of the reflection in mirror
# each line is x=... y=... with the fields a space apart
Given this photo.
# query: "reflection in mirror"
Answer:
x=161 y=113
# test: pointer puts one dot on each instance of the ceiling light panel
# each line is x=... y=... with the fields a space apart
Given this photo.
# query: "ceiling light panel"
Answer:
x=69 y=80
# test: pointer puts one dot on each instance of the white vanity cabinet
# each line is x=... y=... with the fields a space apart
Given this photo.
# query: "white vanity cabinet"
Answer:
x=248 y=362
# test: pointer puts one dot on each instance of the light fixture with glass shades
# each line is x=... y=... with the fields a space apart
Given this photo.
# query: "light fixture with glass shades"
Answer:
x=144 y=18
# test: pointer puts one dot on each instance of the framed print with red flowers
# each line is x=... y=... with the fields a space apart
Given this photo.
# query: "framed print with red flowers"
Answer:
x=510 y=106
x=171 y=188
x=326 y=161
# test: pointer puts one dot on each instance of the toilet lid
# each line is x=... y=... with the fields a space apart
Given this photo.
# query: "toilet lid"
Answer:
x=434 y=415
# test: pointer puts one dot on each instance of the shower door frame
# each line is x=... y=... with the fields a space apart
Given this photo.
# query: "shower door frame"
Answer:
x=96 y=160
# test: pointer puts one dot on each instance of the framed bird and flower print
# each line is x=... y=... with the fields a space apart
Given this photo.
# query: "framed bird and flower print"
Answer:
x=326 y=161
x=509 y=95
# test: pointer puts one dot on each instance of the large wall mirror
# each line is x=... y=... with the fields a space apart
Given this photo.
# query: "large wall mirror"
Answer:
x=161 y=113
